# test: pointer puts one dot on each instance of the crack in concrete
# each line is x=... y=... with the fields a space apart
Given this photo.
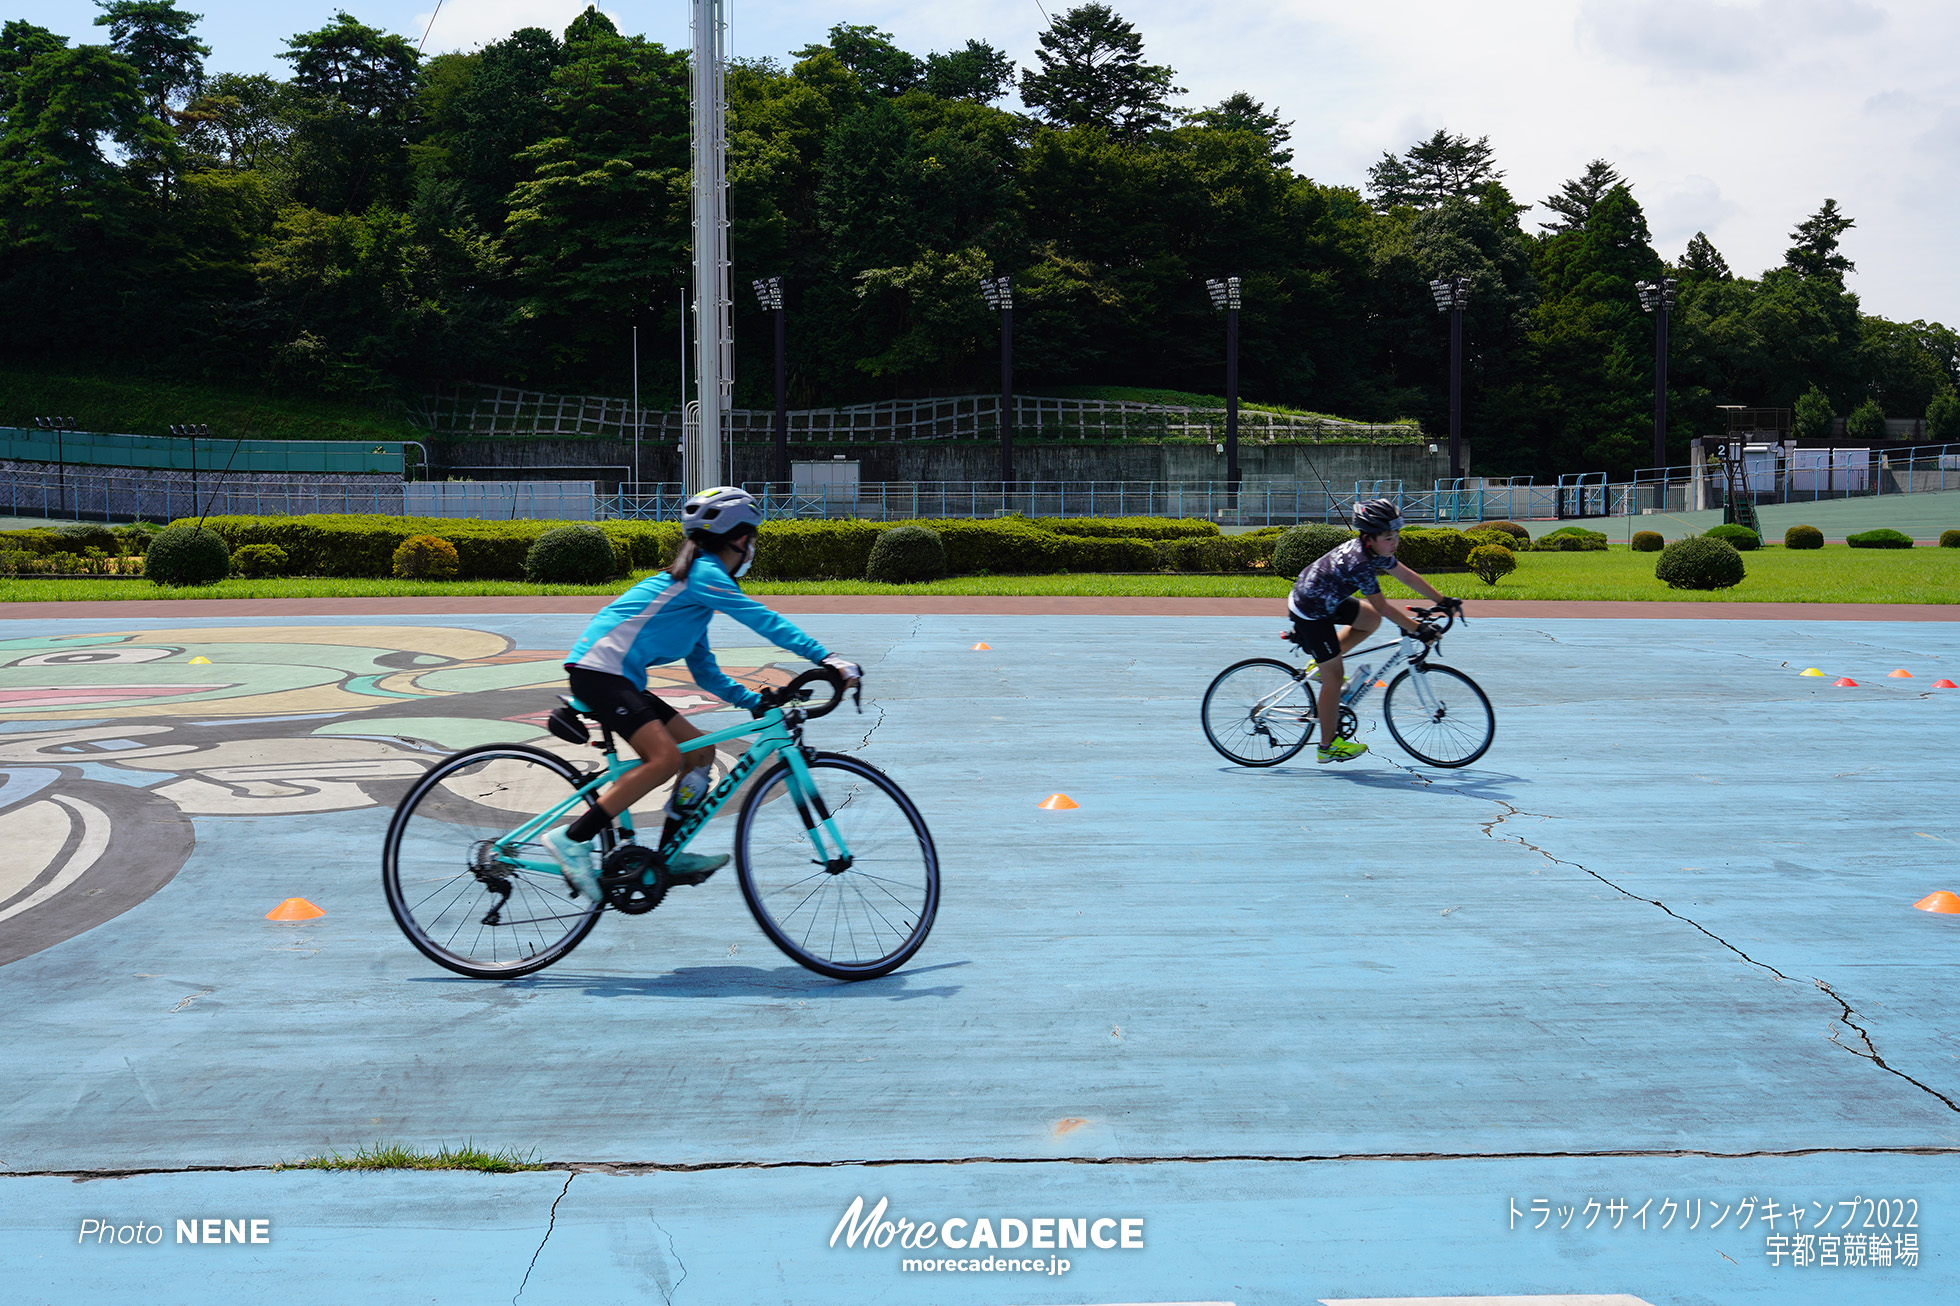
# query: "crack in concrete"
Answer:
x=549 y=1226
x=1870 y=1052
x=667 y=1294
x=878 y=708
x=572 y=1169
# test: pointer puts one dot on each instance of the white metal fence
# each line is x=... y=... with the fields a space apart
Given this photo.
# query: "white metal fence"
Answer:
x=502 y=411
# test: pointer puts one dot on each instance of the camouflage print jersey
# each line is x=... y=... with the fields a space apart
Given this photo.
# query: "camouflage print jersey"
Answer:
x=1343 y=570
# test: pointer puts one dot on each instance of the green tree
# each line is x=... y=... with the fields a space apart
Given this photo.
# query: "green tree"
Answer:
x=1867 y=421
x=1576 y=199
x=155 y=36
x=1812 y=418
x=1592 y=345
x=1239 y=112
x=349 y=144
x=1943 y=417
x=1814 y=255
x=601 y=219
x=20 y=42
x=1093 y=75
x=1444 y=167
x=363 y=68
x=480 y=111
x=1703 y=262
x=880 y=67
x=976 y=72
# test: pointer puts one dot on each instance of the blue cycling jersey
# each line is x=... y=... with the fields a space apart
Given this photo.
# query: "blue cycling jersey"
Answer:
x=664 y=620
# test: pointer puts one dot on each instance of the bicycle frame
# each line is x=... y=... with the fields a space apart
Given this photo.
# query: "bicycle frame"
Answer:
x=773 y=736
x=1404 y=652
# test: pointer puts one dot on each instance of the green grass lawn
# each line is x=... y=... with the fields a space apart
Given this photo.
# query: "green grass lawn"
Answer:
x=1835 y=573
x=145 y=405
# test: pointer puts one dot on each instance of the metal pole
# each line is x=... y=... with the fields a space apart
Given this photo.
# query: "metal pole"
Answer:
x=1660 y=405
x=782 y=400
x=1232 y=398
x=1007 y=397
x=1456 y=385
x=702 y=458
x=636 y=407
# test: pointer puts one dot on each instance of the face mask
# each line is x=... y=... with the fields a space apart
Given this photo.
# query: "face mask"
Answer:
x=748 y=560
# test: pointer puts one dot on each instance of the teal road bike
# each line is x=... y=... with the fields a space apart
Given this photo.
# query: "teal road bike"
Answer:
x=1262 y=711
x=834 y=861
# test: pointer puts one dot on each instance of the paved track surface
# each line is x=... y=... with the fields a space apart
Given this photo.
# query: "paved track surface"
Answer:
x=1322 y=1029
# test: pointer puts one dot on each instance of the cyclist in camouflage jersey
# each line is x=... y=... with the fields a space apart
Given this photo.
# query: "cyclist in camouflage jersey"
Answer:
x=1324 y=598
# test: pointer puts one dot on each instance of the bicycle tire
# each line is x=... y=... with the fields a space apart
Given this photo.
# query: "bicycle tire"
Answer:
x=884 y=910
x=428 y=864
x=1227 y=714
x=1440 y=726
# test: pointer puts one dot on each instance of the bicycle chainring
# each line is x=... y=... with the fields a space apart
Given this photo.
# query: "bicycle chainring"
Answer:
x=1350 y=724
x=634 y=879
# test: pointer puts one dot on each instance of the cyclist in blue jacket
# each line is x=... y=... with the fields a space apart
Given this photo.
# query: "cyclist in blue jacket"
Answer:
x=662 y=619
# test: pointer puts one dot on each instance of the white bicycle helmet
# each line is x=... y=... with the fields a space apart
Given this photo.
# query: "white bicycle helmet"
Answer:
x=1377 y=517
x=719 y=511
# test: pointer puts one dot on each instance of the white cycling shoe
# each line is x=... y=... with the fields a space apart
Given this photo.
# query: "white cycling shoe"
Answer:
x=574 y=858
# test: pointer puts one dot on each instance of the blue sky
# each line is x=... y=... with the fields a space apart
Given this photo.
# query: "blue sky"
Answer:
x=1736 y=119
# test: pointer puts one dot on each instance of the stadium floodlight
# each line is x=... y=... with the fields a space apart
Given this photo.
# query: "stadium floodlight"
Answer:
x=1657 y=297
x=1225 y=297
x=1452 y=295
x=769 y=293
x=999 y=292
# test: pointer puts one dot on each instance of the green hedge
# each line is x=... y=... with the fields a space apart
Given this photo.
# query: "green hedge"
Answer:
x=1882 y=538
x=1132 y=528
x=332 y=544
x=1252 y=551
x=1428 y=548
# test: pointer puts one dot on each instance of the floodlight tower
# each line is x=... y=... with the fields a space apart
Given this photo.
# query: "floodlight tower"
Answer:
x=1657 y=297
x=1225 y=295
x=999 y=292
x=713 y=339
x=1452 y=297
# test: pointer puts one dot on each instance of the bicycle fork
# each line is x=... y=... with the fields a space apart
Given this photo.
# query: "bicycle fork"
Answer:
x=818 y=822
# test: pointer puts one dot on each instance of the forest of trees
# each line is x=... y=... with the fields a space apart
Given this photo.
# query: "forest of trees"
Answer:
x=377 y=222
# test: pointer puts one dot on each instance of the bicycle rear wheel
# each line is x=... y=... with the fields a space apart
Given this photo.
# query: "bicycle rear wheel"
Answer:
x=461 y=904
x=1443 y=719
x=1259 y=712
x=854 y=917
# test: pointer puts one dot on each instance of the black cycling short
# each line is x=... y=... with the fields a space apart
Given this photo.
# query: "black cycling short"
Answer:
x=617 y=701
x=1319 y=638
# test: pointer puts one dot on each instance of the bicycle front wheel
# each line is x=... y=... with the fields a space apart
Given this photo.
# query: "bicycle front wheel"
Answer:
x=1439 y=716
x=1259 y=712
x=466 y=906
x=841 y=876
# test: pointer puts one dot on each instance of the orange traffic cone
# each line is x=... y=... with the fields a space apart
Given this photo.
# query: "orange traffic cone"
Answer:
x=1943 y=902
x=978 y=647
x=1900 y=674
x=1057 y=803
x=294 y=909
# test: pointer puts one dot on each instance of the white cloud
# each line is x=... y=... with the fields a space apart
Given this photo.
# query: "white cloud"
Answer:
x=1676 y=210
x=1681 y=38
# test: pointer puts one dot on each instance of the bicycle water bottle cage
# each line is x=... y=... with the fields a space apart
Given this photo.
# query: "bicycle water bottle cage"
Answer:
x=568 y=725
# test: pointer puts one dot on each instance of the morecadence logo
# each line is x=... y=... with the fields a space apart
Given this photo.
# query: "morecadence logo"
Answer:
x=864 y=1230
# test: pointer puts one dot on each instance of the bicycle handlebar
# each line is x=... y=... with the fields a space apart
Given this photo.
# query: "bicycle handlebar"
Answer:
x=1451 y=610
x=797 y=691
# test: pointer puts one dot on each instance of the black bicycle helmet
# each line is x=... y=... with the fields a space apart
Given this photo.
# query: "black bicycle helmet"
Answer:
x=1377 y=517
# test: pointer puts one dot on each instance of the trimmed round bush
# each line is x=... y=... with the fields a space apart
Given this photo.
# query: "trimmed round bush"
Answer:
x=1882 y=538
x=904 y=555
x=1803 y=537
x=426 y=557
x=186 y=554
x=1647 y=542
x=1510 y=528
x=1300 y=546
x=1428 y=548
x=1700 y=562
x=1950 y=539
x=1492 y=562
x=1741 y=537
x=570 y=555
x=257 y=560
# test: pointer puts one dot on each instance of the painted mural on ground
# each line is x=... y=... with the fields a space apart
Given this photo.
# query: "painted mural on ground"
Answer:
x=113 y=746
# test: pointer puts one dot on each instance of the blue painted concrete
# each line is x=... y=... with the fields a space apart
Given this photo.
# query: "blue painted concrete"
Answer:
x=1670 y=910
x=1250 y=1233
